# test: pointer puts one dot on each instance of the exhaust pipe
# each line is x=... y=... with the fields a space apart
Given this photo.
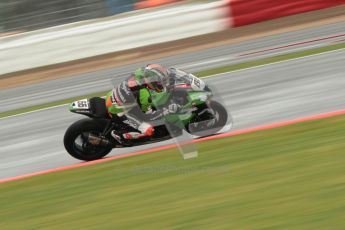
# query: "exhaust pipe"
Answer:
x=95 y=140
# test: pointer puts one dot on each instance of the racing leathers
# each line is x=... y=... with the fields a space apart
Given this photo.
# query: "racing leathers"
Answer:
x=131 y=101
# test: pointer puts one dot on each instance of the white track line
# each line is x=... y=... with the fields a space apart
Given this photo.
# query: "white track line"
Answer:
x=278 y=62
x=19 y=114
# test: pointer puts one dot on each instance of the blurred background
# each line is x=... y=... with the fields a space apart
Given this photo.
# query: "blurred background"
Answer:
x=26 y=15
x=271 y=62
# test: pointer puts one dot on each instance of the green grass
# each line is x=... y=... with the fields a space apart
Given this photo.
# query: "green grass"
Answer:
x=292 y=177
x=214 y=71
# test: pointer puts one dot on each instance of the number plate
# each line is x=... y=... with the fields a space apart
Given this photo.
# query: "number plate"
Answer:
x=81 y=104
x=197 y=83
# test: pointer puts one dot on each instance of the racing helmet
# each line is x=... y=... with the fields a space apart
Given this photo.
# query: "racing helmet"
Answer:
x=156 y=77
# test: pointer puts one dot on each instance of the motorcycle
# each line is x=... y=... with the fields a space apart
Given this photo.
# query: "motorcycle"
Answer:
x=90 y=138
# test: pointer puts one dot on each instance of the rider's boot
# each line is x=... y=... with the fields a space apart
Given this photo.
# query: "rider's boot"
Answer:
x=137 y=135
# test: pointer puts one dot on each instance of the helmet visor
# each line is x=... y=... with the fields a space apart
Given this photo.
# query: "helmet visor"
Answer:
x=155 y=80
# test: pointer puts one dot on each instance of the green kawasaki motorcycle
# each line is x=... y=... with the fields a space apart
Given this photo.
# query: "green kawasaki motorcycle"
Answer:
x=90 y=138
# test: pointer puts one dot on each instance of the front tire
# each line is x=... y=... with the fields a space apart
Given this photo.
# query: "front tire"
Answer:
x=76 y=143
x=205 y=126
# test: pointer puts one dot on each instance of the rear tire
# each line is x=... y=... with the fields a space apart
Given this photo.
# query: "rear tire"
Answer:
x=78 y=147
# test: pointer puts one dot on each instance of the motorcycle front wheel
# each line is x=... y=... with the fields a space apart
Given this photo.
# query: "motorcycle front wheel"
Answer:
x=210 y=122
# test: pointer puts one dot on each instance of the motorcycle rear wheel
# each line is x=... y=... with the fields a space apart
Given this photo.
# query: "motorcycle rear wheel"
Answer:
x=77 y=145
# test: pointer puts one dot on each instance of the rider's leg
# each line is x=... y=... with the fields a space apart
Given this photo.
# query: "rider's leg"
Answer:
x=144 y=129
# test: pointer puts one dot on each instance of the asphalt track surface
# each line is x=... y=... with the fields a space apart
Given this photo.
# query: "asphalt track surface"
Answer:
x=195 y=61
x=256 y=96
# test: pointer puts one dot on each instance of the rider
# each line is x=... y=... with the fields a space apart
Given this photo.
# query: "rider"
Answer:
x=131 y=100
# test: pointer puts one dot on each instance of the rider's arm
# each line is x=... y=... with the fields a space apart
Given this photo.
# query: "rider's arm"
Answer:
x=144 y=99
